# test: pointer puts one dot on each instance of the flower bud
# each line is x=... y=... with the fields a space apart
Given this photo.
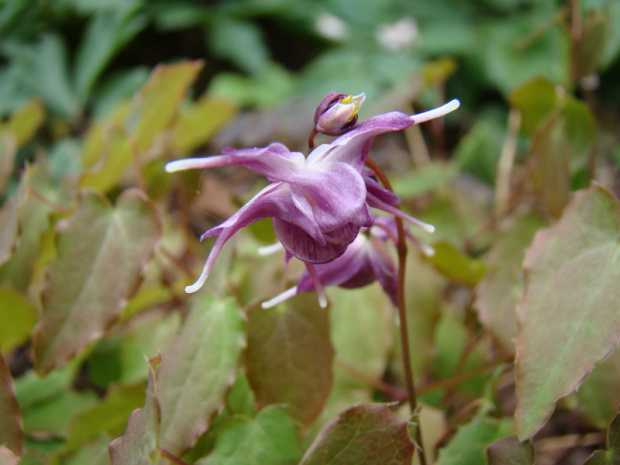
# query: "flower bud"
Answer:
x=337 y=113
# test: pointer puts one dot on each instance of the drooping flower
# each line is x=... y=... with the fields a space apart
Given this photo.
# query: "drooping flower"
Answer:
x=366 y=260
x=318 y=204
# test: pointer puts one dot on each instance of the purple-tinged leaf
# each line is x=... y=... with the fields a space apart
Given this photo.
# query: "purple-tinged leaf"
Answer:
x=11 y=432
x=270 y=438
x=509 y=451
x=289 y=357
x=7 y=457
x=363 y=435
x=139 y=444
x=197 y=371
x=611 y=456
x=34 y=205
x=550 y=164
x=102 y=251
x=569 y=317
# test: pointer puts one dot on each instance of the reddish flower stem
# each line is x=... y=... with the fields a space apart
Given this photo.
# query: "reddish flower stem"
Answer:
x=402 y=315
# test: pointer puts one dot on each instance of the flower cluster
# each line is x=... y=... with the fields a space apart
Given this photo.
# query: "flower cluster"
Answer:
x=319 y=203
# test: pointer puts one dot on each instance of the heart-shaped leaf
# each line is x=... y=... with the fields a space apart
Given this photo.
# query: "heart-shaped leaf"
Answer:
x=289 y=357
x=363 y=435
x=569 y=316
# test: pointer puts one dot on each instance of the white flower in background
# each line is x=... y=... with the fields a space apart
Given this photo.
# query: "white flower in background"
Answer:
x=399 y=35
x=331 y=27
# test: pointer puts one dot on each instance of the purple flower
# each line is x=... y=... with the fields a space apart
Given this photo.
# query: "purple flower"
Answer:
x=366 y=260
x=319 y=203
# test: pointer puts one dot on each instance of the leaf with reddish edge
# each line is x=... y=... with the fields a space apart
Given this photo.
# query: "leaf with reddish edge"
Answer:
x=11 y=432
x=102 y=252
x=611 y=456
x=7 y=457
x=569 y=316
x=289 y=357
x=509 y=451
x=363 y=435
x=139 y=444
x=198 y=370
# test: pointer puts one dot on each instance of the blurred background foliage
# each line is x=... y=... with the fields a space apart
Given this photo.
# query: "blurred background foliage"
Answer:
x=95 y=97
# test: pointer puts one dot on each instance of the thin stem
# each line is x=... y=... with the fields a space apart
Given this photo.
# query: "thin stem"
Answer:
x=402 y=314
x=173 y=458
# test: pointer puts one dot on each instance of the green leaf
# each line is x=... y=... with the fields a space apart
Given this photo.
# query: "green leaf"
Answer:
x=598 y=396
x=46 y=74
x=289 y=357
x=25 y=122
x=550 y=167
x=374 y=318
x=8 y=151
x=363 y=435
x=106 y=33
x=198 y=123
x=535 y=99
x=455 y=265
x=470 y=441
x=612 y=455
x=197 y=371
x=509 y=451
x=569 y=320
x=18 y=317
x=241 y=42
x=118 y=155
x=424 y=179
x=108 y=416
x=501 y=288
x=102 y=251
x=139 y=443
x=271 y=439
x=160 y=99
x=53 y=415
x=11 y=433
